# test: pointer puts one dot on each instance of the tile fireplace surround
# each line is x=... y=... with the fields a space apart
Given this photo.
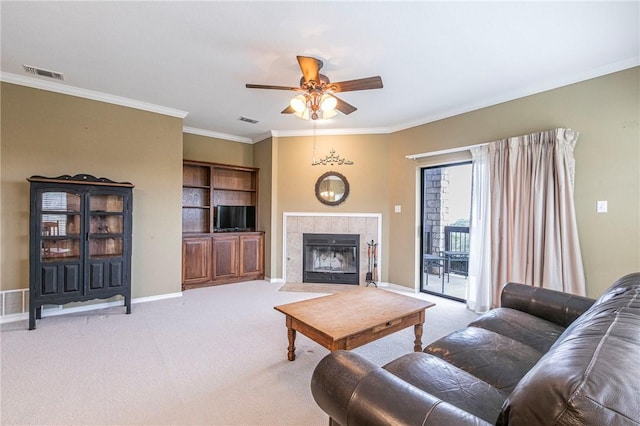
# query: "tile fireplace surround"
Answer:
x=367 y=225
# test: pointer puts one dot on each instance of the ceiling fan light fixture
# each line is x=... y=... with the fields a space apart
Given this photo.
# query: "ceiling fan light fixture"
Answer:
x=329 y=114
x=302 y=114
x=298 y=103
x=328 y=103
x=308 y=114
x=315 y=99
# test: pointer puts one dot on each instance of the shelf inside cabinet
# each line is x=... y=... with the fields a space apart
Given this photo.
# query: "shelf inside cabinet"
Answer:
x=196 y=220
x=222 y=188
x=59 y=224
x=60 y=202
x=53 y=249
x=105 y=247
x=234 y=179
x=194 y=175
x=234 y=198
x=106 y=203
x=197 y=186
x=106 y=224
x=196 y=197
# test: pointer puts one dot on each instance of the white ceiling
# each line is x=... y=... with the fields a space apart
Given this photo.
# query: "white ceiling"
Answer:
x=436 y=59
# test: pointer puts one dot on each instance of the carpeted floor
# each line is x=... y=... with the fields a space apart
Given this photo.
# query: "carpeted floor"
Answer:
x=215 y=356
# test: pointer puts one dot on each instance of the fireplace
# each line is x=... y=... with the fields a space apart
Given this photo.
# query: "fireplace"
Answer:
x=331 y=258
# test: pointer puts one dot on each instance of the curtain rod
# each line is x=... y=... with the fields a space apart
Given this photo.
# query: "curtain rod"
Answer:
x=444 y=151
x=469 y=147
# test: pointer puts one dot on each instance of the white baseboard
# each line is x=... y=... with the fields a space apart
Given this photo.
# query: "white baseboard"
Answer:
x=156 y=297
x=54 y=310
x=399 y=287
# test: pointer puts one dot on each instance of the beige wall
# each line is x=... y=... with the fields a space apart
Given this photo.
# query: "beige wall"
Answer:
x=49 y=134
x=605 y=111
x=214 y=150
x=368 y=179
x=263 y=159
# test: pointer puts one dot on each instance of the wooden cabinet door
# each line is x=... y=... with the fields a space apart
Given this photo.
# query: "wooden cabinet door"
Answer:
x=57 y=243
x=225 y=257
x=252 y=256
x=108 y=239
x=196 y=260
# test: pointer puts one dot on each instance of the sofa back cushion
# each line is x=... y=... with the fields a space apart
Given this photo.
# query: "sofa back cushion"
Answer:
x=590 y=376
x=523 y=327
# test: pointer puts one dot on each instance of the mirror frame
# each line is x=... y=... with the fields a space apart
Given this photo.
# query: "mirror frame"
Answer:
x=346 y=188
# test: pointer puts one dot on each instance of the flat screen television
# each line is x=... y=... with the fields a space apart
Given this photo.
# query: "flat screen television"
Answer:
x=235 y=218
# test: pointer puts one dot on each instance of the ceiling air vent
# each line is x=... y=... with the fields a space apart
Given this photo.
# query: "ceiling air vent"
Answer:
x=248 y=120
x=43 y=72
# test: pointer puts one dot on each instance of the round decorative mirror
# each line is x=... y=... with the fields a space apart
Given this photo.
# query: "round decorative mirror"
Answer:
x=332 y=188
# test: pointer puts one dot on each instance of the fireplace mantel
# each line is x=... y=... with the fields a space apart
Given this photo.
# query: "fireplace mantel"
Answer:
x=295 y=224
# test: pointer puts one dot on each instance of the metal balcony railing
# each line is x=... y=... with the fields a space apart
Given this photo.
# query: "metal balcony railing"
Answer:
x=456 y=249
x=453 y=257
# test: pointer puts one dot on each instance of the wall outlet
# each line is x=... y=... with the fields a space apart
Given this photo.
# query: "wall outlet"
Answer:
x=601 y=207
x=397 y=209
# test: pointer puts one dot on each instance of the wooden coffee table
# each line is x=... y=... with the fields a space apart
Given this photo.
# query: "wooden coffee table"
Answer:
x=353 y=318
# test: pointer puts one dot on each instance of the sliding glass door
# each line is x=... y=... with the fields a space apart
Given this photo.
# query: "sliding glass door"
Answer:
x=446 y=207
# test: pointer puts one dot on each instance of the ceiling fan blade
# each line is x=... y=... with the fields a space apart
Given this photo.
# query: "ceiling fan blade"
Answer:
x=310 y=68
x=359 y=84
x=344 y=107
x=264 y=86
x=288 y=110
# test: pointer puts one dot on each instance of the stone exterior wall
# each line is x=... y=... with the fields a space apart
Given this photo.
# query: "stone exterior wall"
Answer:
x=436 y=212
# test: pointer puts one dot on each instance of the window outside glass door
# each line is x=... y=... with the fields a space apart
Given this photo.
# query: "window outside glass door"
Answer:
x=446 y=207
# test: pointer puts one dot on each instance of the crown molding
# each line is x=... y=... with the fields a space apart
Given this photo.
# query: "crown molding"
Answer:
x=217 y=135
x=286 y=133
x=330 y=132
x=89 y=94
x=528 y=91
x=263 y=136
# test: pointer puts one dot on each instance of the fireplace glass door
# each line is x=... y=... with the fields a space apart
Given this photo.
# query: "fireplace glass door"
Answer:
x=331 y=258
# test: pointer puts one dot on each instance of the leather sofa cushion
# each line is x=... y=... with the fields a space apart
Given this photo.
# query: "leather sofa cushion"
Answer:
x=354 y=391
x=489 y=356
x=591 y=374
x=524 y=328
x=449 y=383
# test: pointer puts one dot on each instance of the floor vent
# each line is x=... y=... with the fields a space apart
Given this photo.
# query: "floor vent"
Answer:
x=248 y=120
x=42 y=72
x=14 y=302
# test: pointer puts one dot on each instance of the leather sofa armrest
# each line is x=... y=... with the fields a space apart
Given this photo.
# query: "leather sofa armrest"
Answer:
x=354 y=391
x=551 y=305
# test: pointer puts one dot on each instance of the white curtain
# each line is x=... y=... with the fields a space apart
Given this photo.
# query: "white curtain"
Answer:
x=478 y=295
x=523 y=225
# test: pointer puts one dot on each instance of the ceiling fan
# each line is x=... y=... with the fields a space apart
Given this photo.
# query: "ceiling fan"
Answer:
x=316 y=95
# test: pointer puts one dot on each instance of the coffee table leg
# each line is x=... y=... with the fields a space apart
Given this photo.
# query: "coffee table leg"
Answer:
x=291 y=334
x=417 y=344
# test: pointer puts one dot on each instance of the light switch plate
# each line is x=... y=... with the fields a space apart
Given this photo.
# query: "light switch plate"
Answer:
x=602 y=207
x=398 y=209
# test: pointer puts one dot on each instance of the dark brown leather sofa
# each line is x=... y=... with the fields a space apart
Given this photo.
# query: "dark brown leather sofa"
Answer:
x=542 y=358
